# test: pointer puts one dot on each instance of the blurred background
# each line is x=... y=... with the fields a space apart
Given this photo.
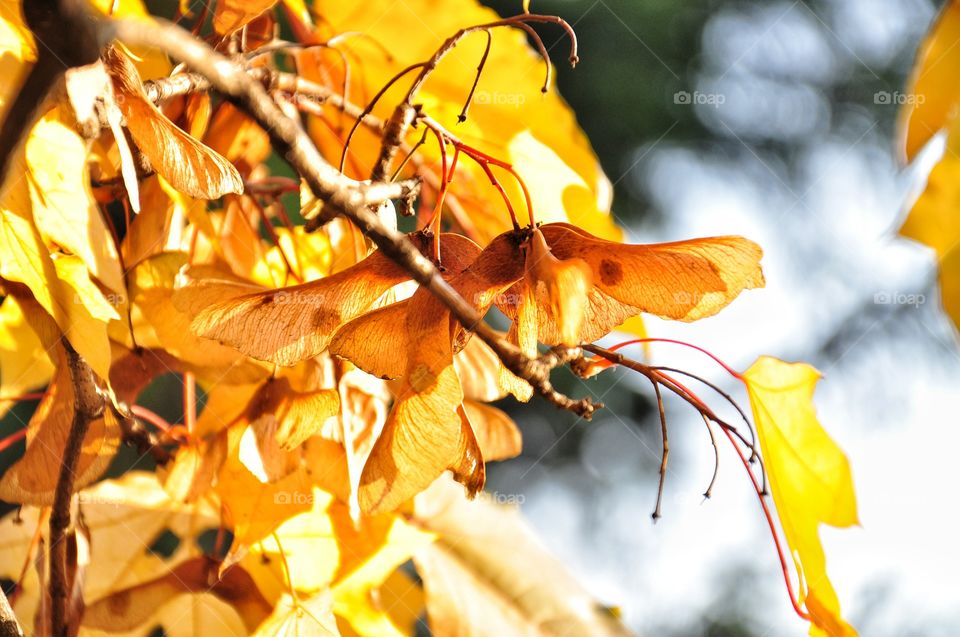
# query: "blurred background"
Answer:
x=774 y=120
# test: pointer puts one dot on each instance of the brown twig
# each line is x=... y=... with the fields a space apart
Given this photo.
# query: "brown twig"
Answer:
x=88 y=406
x=346 y=196
x=665 y=453
x=388 y=148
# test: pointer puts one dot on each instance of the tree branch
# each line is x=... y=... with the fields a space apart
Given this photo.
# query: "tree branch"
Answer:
x=348 y=197
x=88 y=406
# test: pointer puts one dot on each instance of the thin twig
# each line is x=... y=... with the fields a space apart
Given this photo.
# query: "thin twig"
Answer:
x=716 y=458
x=666 y=451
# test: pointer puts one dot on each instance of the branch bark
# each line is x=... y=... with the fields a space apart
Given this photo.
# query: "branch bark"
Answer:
x=88 y=406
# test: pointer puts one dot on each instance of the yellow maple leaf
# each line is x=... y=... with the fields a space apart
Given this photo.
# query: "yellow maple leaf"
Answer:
x=809 y=476
x=509 y=118
x=24 y=362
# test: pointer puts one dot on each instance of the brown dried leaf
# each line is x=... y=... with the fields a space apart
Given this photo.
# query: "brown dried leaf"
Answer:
x=287 y=325
x=33 y=478
x=188 y=165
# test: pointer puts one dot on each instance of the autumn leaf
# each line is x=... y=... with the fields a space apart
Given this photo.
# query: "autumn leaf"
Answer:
x=130 y=608
x=684 y=280
x=933 y=220
x=308 y=618
x=497 y=434
x=564 y=286
x=425 y=433
x=487 y=575
x=61 y=285
x=191 y=167
x=932 y=97
x=123 y=517
x=509 y=118
x=231 y=15
x=809 y=476
x=237 y=137
x=24 y=362
x=253 y=508
x=33 y=478
x=301 y=318
x=322 y=550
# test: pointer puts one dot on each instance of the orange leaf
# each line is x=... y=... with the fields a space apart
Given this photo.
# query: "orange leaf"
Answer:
x=188 y=165
x=131 y=608
x=932 y=96
x=231 y=15
x=287 y=325
x=33 y=478
x=685 y=280
x=497 y=435
x=423 y=435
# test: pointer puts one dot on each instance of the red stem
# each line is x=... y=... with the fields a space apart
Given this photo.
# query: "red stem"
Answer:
x=13 y=438
x=771 y=524
x=635 y=341
x=151 y=417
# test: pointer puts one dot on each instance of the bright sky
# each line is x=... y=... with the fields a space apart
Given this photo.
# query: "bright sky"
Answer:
x=892 y=372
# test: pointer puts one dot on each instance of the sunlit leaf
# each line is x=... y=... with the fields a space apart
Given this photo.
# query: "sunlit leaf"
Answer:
x=186 y=163
x=931 y=96
x=33 y=478
x=231 y=15
x=809 y=476
x=487 y=575
x=24 y=362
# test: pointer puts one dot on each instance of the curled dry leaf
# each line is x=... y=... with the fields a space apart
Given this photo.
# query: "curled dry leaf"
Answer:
x=33 y=478
x=188 y=165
